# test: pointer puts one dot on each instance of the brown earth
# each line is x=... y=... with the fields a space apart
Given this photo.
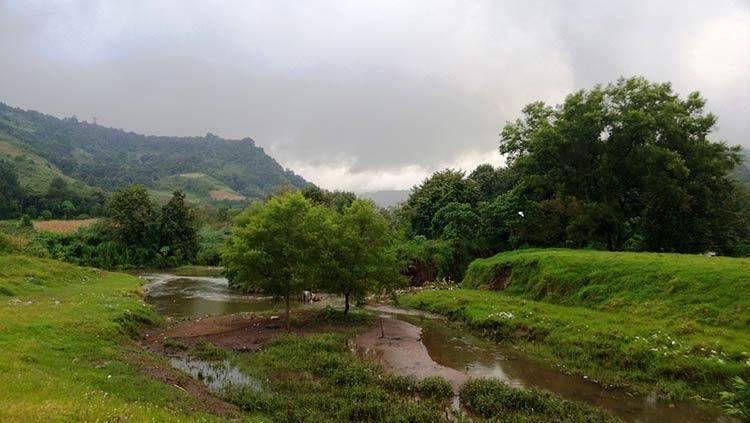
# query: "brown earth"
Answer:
x=239 y=332
x=62 y=226
x=226 y=196
x=398 y=346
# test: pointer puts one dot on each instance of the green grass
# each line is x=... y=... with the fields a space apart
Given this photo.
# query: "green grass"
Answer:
x=492 y=399
x=315 y=378
x=674 y=323
x=66 y=352
x=681 y=287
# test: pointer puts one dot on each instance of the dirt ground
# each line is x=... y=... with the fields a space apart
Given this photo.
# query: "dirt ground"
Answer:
x=398 y=345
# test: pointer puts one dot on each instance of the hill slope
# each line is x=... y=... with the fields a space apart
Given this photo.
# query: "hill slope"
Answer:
x=109 y=158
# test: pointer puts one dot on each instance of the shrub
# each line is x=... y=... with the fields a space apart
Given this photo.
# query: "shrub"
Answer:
x=737 y=402
x=435 y=387
x=491 y=398
x=205 y=350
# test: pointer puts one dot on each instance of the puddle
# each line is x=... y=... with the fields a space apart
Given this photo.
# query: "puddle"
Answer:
x=217 y=376
x=421 y=346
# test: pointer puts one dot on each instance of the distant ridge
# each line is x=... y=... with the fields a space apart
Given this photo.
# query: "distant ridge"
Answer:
x=110 y=158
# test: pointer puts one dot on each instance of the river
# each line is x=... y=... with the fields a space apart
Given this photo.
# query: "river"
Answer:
x=422 y=344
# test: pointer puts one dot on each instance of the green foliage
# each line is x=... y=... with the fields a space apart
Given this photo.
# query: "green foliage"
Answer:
x=690 y=287
x=135 y=216
x=138 y=235
x=315 y=378
x=337 y=200
x=737 y=402
x=275 y=247
x=628 y=160
x=111 y=158
x=177 y=230
x=672 y=323
x=436 y=192
x=492 y=399
x=11 y=194
x=207 y=351
x=356 y=256
x=63 y=343
x=435 y=387
x=426 y=260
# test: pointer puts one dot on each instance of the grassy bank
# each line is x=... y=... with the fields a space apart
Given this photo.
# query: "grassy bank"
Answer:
x=66 y=352
x=675 y=322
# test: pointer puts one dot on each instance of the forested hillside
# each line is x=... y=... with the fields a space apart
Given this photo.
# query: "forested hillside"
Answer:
x=109 y=158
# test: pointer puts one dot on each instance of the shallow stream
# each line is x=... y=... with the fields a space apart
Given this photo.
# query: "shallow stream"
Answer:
x=419 y=344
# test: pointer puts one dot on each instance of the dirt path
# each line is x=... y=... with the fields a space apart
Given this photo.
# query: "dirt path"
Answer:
x=402 y=352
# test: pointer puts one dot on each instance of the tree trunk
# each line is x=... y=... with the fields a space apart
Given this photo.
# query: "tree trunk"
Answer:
x=288 y=323
x=346 y=303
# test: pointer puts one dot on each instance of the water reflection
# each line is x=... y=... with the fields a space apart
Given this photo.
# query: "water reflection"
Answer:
x=452 y=346
x=217 y=376
x=193 y=296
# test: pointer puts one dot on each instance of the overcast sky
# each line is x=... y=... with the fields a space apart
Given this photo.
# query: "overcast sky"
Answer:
x=361 y=95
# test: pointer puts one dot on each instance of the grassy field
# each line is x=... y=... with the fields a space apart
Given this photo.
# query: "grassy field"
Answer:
x=676 y=323
x=66 y=352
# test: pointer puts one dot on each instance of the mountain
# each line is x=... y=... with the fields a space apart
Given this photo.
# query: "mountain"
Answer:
x=386 y=198
x=208 y=168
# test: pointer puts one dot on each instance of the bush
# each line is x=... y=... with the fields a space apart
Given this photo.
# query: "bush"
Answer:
x=435 y=387
x=205 y=350
x=737 y=402
x=491 y=398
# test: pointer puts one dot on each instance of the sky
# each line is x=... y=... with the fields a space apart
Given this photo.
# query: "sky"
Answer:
x=362 y=95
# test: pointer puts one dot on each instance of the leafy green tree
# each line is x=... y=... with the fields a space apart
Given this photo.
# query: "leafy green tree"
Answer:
x=276 y=247
x=337 y=200
x=434 y=193
x=11 y=194
x=177 y=229
x=67 y=209
x=629 y=161
x=135 y=216
x=358 y=259
x=455 y=221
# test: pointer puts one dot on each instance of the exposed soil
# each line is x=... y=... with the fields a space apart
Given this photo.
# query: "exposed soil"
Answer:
x=238 y=332
x=398 y=346
x=500 y=281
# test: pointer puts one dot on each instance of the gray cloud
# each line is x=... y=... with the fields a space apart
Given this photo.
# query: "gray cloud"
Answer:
x=360 y=95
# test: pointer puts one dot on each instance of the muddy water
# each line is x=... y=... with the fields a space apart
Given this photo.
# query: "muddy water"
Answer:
x=422 y=346
x=196 y=296
x=415 y=343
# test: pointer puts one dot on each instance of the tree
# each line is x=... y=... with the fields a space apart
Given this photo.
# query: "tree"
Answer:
x=135 y=216
x=11 y=194
x=627 y=163
x=177 y=229
x=276 y=246
x=357 y=255
x=436 y=192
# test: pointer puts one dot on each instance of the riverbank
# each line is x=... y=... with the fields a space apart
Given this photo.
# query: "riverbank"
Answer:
x=67 y=352
x=608 y=317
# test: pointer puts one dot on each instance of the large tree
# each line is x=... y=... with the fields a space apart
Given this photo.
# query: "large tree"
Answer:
x=177 y=229
x=629 y=165
x=135 y=216
x=358 y=259
x=276 y=246
x=11 y=193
